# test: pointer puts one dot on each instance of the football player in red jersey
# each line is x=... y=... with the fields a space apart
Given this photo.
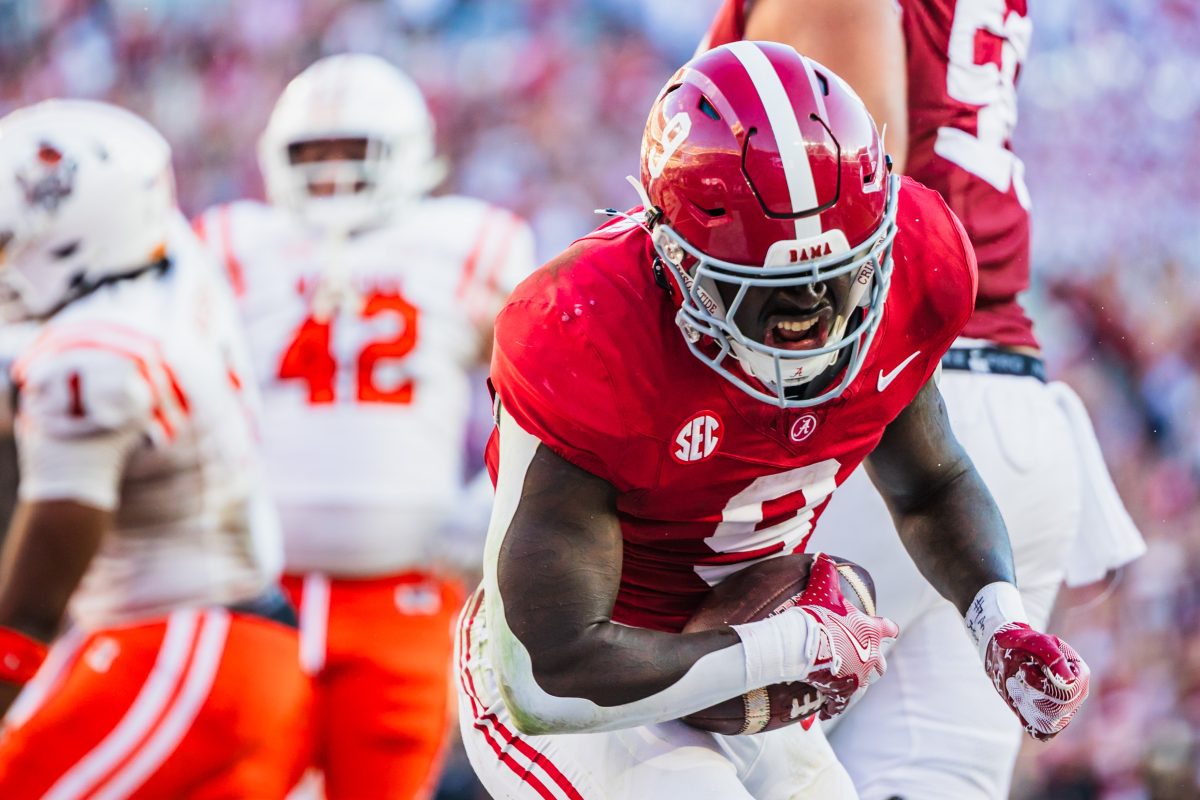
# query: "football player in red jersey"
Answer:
x=678 y=394
x=940 y=78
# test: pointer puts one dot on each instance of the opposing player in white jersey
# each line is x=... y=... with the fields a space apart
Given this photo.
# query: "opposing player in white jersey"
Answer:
x=366 y=303
x=940 y=78
x=142 y=517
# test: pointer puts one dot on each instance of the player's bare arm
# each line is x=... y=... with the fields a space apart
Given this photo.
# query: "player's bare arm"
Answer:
x=9 y=477
x=13 y=337
x=559 y=571
x=952 y=528
x=557 y=562
x=942 y=508
x=47 y=551
x=554 y=559
x=860 y=40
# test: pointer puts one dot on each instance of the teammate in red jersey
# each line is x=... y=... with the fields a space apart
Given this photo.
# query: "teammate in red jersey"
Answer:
x=940 y=76
x=678 y=395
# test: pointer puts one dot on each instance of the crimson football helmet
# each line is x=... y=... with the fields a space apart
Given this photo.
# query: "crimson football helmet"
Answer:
x=763 y=168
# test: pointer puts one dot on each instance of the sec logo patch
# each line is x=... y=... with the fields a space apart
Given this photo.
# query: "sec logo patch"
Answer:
x=698 y=438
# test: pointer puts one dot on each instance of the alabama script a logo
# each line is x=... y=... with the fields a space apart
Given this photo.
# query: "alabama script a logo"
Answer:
x=803 y=427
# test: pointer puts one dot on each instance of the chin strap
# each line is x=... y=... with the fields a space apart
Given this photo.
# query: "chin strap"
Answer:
x=646 y=221
x=641 y=191
x=81 y=287
x=660 y=276
x=652 y=213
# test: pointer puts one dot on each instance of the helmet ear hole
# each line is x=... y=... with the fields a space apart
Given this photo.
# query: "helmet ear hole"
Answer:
x=708 y=109
x=712 y=213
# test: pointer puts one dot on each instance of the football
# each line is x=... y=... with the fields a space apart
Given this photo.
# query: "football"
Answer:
x=757 y=592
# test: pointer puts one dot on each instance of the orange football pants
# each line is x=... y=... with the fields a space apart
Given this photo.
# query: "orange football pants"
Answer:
x=380 y=651
x=205 y=705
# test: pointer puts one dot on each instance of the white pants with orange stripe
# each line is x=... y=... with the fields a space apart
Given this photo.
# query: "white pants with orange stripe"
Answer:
x=649 y=762
x=205 y=704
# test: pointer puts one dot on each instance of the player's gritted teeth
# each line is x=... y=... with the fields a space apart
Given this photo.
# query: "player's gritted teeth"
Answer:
x=806 y=330
x=790 y=317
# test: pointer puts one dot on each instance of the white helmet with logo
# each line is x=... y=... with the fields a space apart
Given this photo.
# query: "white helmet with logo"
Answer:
x=350 y=96
x=86 y=193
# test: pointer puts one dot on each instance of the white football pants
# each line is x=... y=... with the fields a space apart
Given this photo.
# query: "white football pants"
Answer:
x=651 y=762
x=933 y=728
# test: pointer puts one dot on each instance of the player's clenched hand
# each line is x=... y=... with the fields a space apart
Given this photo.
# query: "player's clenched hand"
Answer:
x=1041 y=677
x=849 y=654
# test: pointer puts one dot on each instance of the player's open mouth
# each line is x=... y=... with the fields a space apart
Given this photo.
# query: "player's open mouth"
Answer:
x=330 y=189
x=802 y=331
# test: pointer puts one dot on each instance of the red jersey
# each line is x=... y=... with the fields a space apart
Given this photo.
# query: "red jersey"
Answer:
x=589 y=359
x=963 y=60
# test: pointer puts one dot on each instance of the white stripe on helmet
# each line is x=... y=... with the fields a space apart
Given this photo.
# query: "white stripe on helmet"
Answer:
x=796 y=169
x=815 y=85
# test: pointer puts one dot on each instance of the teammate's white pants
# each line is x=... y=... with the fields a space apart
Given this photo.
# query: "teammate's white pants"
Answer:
x=934 y=728
x=652 y=762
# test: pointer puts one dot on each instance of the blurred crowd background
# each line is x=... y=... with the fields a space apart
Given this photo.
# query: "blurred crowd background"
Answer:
x=540 y=106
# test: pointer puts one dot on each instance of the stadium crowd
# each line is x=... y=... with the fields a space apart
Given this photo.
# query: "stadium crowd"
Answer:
x=540 y=105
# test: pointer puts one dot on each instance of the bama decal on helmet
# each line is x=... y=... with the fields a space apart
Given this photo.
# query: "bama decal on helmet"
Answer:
x=785 y=128
x=674 y=134
x=698 y=438
x=796 y=251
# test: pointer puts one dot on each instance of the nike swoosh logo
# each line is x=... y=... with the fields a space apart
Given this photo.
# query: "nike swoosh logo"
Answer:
x=885 y=380
x=864 y=651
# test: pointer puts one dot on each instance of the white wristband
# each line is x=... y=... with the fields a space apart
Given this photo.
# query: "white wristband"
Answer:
x=996 y=604
x=779 y=648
